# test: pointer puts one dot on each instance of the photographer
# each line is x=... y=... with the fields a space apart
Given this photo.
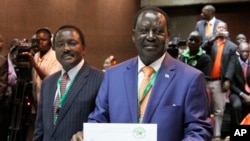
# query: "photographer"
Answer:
x=44 y=63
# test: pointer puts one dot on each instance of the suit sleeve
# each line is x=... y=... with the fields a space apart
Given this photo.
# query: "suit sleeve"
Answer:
x=38 y=132
x=101 y=112
x=197 y=124
x=3 y=77
x=231 y=64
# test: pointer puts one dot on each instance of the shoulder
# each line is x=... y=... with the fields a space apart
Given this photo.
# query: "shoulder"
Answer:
x=91 y=70
x=3 y=60
x=200 y=22
x=125 y=65
x=51 y=78
x=231 y=44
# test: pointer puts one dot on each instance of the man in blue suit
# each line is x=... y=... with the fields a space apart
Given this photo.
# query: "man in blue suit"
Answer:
x=71 y=107
x=208 y=19
x=178 y=103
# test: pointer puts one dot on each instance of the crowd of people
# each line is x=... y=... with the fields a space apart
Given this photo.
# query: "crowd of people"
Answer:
x=181 y=92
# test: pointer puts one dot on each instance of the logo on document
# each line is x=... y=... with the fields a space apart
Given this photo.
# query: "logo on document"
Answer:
x=139 y=132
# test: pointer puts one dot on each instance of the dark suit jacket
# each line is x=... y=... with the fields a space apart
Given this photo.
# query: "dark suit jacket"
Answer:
x=238 y=81
x=228 y=58
x=4 y=106
x=201 y=28
x=75 y=110
x=3 y=76
x=178 y=103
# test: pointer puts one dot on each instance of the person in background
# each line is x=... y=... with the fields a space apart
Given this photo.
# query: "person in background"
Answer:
x=194 y=55
x=44 y=63
x=108 y=62
x=240 y=38
x=4 y=105
x=206 y=26
x=176 y=94
x=61 y=113
x=240 y=91
x=223 y=54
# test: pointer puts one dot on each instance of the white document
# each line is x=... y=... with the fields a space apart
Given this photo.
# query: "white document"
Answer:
x=119 y=132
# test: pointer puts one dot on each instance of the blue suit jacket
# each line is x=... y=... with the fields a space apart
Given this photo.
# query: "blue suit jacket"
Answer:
x=178 y=102
x=201 y=28
x=75 y=110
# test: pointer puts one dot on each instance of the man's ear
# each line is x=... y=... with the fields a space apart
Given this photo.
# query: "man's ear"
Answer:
x=167 y=37
x=133 y=35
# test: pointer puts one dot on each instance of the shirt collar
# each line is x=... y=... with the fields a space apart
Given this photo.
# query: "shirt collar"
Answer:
x=241 y=61
x=155 y=65
x=72 y=72
x=212 y=21
x=186 y=53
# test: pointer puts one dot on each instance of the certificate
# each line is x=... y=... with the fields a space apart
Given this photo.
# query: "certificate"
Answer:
x=119 y=132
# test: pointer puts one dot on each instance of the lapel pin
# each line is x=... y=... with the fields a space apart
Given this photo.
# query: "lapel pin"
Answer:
x=167 y=75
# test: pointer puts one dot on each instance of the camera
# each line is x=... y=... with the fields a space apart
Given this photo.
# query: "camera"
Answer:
x=22 y=60
x=174 y=45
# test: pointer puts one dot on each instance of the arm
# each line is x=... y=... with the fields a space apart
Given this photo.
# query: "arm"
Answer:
x=38 y=131
x=3 y=77
x=208 y=66
x=231 y=67
x=197 y=124
x=101 y=112
x=33 y=63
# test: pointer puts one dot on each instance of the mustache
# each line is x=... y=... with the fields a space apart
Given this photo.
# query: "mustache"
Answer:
x=67 y=53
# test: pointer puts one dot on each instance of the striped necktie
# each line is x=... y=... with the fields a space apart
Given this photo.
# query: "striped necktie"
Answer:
x=63 y=86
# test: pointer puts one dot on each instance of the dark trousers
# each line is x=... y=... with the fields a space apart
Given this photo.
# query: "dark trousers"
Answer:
x=239 y=110
x=5 y=117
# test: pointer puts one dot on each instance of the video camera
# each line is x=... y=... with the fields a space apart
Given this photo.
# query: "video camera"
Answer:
x=22 y=60
x=174 y=45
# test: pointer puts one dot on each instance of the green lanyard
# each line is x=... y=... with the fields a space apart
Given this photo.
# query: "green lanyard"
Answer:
x=62 y=97
x=146 y=90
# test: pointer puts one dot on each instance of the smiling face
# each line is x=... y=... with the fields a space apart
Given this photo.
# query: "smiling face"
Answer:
x=149 y=35
x=68 y=47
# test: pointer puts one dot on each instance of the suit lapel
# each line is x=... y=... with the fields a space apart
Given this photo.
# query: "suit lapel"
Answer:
x=131 y=88
x=165 y=76
x=77 y=85
x=239 y=69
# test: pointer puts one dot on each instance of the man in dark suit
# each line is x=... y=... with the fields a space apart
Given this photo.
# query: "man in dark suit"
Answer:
x=208 y=19
x=4 y=106
x=223 y=53
x=61 y=114
x=240 y=94
x=178 y=93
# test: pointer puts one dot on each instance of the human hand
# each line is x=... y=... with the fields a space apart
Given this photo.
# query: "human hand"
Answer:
x=31 y=57
x=77 y=136
x=226 y=85
x=246 y=99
